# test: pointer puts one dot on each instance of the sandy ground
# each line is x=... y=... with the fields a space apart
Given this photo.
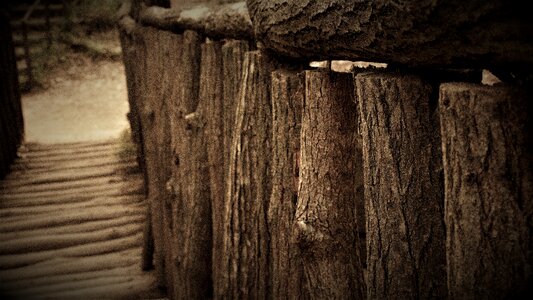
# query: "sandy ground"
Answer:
x=84 y=103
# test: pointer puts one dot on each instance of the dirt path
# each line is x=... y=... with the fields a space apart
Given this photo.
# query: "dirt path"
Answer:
x=84 y=103
x=71 y=221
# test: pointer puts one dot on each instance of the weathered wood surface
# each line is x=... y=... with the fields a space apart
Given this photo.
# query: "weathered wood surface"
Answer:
x=212 y=116
x=325 y=221
x=403 y=189
x=190 y=177
x=487 y=154
x=246 y=236
x=11 y=122
x=486 y=34
x=86 y=245
x=150 y=106
x=215 y=21
x=287 y=97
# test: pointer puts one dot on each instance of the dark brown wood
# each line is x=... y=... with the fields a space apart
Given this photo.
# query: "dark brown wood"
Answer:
x=152 y=111
x=211 y=95
x=167 y=62
x=246 y=237
x=190 y=179
x=487 y=154
x=215 y=21
x=171 y=53
x=232 y=61
x=11 y=121
x=233 y=56
x=287 y=94
x=325 y=226
x=403 y=187
x=489 y=34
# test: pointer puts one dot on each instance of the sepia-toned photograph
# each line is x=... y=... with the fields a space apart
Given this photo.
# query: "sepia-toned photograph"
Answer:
x=266 y=149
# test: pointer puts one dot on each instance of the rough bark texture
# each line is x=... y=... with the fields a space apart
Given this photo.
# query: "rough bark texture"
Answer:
x=211 y=94
x=325 y=226
x=149 y=102
x=487 y=154
x=11 y=122
x=133 y=49
x=232 y=60
x=287 y=94
x=246 y=238
x=168 y=62
x=189 y=3
x=130 y=50
x=432 y=33
x=215 y=21
x=190 y=180
x=403 y=187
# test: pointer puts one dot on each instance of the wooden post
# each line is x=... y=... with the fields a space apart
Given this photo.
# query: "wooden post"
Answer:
x=287 y=94
x=487 y=154
x=325 y=223
x=211 y=95
x=232 y=61
x=403 y=187
x=246 y=240
x=190 y=179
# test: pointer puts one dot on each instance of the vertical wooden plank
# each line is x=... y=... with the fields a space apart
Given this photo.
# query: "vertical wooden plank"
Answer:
x=325 y=224
x=287 y=96
x=487 y=154
x=403 y=187
x=246 y=240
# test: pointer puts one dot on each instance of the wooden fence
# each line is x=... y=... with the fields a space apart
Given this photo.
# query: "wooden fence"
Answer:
x=11 y=122
x=271 y=180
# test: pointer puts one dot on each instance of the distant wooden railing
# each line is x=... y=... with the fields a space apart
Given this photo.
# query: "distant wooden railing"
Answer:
x=268 y=179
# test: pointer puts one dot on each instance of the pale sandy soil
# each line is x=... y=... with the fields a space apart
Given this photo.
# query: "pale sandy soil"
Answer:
x=86 y=102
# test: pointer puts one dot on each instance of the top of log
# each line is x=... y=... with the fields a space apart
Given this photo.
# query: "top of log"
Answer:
x=424 y=33
x=214 y=21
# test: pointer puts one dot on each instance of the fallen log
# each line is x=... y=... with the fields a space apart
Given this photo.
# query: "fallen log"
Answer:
x=488 y=34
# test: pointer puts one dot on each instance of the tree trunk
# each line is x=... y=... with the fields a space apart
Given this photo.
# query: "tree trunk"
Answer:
x=487 y=148
x=417 y=33
x=190 y=180
x=287 y=94
x=325 y=226
x=211 y=94
x=403 y=187
x=246 y=238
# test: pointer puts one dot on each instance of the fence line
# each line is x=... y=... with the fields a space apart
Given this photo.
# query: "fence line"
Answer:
x=256 y=169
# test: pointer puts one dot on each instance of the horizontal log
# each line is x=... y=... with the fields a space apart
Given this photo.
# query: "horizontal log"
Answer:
x=483 y=34
x=219 y=21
